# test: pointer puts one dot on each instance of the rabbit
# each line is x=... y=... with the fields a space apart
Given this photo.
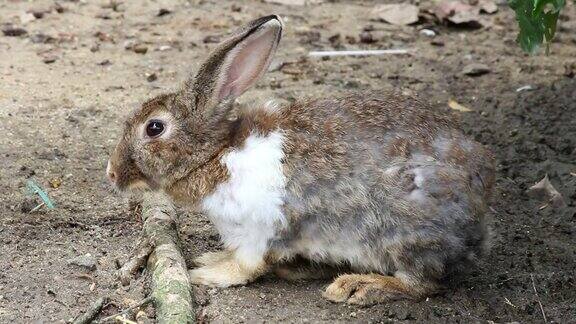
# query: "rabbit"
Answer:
x=377 y=182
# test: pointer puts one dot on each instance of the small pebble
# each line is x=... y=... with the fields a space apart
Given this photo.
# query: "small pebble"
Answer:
x=140 y=48
x=104 y=15
x=86 y=261
x=49 y=59
x=58 y=7
x=475 y=69
x=427 y=32
x=105 y=62
x=103 y=37
x=211 y=39
x=39 y=13
x=42 y=39
x=335 y=40
x=163 y=12
x=26 y=18
x=570 y=69
x=309 y=36
x=13 y=31
x=368 y=28
x=438 y=43
x=152 y=77
x=366 y=38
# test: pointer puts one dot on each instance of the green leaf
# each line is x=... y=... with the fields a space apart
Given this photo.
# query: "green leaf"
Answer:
x=34 y=188
x=537 y=20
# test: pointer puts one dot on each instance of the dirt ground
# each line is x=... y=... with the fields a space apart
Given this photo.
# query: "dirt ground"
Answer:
x=67 y=85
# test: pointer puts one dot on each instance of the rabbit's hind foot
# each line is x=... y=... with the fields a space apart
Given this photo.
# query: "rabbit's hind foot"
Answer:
x=368 y=289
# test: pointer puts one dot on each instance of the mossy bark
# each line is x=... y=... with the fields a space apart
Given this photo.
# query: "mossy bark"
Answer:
x=171 y=289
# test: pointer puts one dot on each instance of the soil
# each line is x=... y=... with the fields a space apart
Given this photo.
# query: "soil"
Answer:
x=67 y=85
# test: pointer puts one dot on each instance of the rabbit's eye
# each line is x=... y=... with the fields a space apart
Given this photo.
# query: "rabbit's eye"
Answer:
x=155 y=128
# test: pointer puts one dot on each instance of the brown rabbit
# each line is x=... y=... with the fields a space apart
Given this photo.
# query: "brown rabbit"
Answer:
x=376 y=182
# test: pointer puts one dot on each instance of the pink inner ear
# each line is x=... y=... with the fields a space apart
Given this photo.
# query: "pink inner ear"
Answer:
x=248 y=62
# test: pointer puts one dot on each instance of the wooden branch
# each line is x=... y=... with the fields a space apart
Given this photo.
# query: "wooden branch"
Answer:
x=171 y=288
x=138 y=260
x=138 y=305
x=159 y=246
x=94 y=310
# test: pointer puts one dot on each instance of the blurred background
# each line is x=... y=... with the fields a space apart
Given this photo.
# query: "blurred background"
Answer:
x=71 y=71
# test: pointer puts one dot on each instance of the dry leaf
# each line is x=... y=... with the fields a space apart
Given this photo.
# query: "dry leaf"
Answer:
x=544 y=190
x=456 y=106
x=397 y=14
x=55 y=183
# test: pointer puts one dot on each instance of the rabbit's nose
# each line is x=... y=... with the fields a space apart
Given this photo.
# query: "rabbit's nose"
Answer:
x=111 y=173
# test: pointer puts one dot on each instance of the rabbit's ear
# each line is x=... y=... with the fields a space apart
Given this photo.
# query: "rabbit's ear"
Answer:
x=236 y=64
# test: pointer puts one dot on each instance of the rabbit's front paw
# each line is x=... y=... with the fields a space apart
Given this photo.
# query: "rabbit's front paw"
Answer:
x=366 y=289
x=211 y=258
x=225 y=274
x=217 y=276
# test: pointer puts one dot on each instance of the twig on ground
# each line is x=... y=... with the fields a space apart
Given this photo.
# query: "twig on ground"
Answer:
x=171 y=288
x=508 y=302
x=92 y=312
x=538 y=298
x=159 y=249
x=137 y=261
x=357 y=53
x=37 y=207
x=140 y=304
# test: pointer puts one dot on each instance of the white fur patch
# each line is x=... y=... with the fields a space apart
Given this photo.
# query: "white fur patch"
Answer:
x=419 y=177
x=247 y=209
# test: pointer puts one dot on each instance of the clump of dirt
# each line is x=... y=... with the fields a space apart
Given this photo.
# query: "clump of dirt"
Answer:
x=73 y=73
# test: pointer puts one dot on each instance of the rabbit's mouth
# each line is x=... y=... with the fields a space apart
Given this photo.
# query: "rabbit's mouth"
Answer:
x=128 y=178
x=138 y=185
